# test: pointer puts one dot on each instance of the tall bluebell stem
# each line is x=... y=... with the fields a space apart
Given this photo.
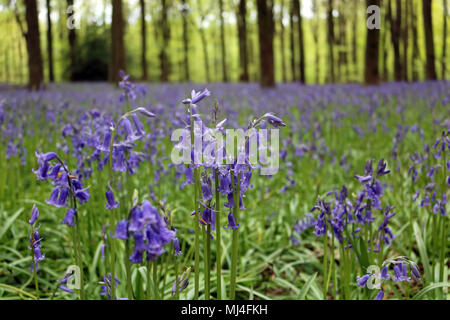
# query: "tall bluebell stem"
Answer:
x=234 y=243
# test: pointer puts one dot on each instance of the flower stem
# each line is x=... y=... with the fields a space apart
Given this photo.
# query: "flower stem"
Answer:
x=234 y=243
x=218 y=239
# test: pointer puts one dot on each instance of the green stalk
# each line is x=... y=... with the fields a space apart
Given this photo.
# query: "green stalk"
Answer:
x=443 y=219
x=196 y=216
x=206 y=261
x=325 y=264
x=218 y=243
x=234 y=243
x=35 y=273
x=155 y=278
x=149 y=281
x=175 y=266
x=128 y=269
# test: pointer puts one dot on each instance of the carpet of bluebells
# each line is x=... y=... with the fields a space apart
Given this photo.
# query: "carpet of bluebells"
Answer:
x=357 y=210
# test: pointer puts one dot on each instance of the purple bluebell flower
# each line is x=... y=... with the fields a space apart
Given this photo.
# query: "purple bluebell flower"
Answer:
x=111 y=203
x=231 y=222
x=380 y=295
x=70 y=217
x=34 y=215
x=176 y=246
x=362 y=281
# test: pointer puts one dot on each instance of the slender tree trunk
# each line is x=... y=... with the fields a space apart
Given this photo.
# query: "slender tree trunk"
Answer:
x=185 y=12
x=385 y=44
x=72 y=45
x=354 y=44
x=265 y=34
x=298 y=14
x=117 y=41
x=444 y=44
x=292 y=41
x=222 y=43
x=282 y=44
x=405 y=38
x=415 y=48
x=371 y=74
x=163 y=57
x=429 y=42
x=143 y=42
x=49 y=43
x=35 y=68
x=242 y=35
x=315 y=34
x=395 y=24
x=330 y=36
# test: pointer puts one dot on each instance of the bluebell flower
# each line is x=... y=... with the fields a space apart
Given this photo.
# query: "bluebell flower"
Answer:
x=380 y=295
x=362 y=281
x=34 y=215
x=70 y=217
x=111 y=203
x=231 y=222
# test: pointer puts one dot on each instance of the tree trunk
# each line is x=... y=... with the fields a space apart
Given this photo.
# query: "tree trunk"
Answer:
x=315 y=34
x=405 y=38
x=444 y=39
x=371 y=74
x=163 y=57
x=185 y=12
x=330 y=36
x=282 y=44
x=415 y=48
x=222 y=42
x=265 y=35
x=429 y=42
x=35 y=68
x=292 y=42
x=72 y=44
x=354 y=45
x=242 y=35
x=117 y=41
x=395 y=35
x=298 y=14
x=143 y=42
x=49 y=43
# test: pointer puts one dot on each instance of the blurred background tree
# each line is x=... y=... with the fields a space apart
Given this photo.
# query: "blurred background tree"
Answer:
x=267 y=41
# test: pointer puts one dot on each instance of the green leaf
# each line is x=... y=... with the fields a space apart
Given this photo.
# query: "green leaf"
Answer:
x=305 y=289
x=422 y=252
x=9 y=222
x=364 y=257
x=427 y=289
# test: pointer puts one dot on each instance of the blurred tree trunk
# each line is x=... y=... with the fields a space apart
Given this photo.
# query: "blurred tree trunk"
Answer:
x=242 y=35
x=405 y=38
x=395 y=24
x=354 y=44
x=72 y=44
x=330 y=36
x=444 y=39
x=143 y=41
x=33 y=41
x=184 y=13
x=292 y=41
x=371 y=73
x=298 y=14
x=415 y=48
x=163 y=57
x=282 y=44
x=315 y=34
x=49 y=43
x=222 y=42
x=429 y=42
x=117 y=41
x=265 y=34
x=385 y=44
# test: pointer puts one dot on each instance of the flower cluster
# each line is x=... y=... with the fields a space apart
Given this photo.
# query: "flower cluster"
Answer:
x=401 y=273
x=66 y=187
x=148 y=229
